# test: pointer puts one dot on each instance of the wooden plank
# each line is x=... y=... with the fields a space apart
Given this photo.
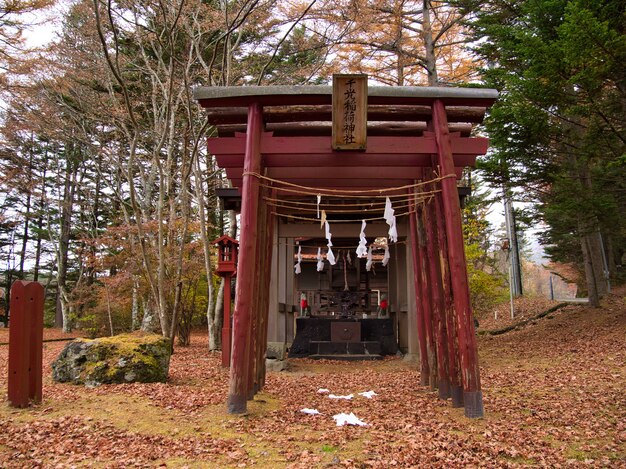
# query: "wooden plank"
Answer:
x=322 y=145
x=35 y=295
x=468 y=352
x=350 y=159
x=19 y=352
x=305 y=114
x=244 y=306
x=320 y=129
x=349 y=129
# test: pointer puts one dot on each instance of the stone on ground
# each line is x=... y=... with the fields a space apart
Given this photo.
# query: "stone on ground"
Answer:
x=126 y=358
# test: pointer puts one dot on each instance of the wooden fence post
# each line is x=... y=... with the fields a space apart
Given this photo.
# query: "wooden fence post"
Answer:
x=25 y=343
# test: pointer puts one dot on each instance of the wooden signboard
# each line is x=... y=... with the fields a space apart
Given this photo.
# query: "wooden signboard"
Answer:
x=349 y=112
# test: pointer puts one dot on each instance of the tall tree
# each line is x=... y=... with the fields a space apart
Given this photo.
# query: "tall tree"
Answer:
x=558 y=130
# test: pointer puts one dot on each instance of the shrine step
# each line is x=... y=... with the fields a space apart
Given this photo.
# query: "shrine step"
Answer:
x=345 y=357
x=345 y=348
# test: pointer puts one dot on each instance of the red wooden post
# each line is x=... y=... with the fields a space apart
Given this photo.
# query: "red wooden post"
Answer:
x=253 y=383
x=417 y=285
x=436 y=289
x=456 y=389
x=244 y=298
x=25 y=343
x=427 y=303
x=226 y=325
x=472 y=394
x=267 y=268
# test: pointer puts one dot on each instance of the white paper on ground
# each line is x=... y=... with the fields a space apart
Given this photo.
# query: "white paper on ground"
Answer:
x=348 y=397
x=348 y=419
x=368 y=394
x=310 y=411
x=323 y=391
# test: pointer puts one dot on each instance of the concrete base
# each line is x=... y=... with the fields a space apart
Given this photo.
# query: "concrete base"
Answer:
x=276 y=365
x=237 y=404
x=444 y=390
x=473 y=404
x=276 y=350
x=456 y=393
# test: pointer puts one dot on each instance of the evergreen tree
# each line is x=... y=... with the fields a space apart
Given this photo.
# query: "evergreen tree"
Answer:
x=558 y=130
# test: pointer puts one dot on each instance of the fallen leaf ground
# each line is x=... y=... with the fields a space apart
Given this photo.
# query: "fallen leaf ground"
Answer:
x=554 y=394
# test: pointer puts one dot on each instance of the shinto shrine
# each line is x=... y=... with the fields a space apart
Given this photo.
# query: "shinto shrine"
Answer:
x=350 y=242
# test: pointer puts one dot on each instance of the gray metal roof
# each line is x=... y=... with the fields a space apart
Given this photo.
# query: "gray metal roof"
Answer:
x=432 y=92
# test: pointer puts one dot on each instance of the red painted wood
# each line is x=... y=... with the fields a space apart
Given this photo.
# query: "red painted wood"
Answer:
x=427 y=300
x=25 y=343
x=317 y=99
x=348 y=160
x=347 y=172
x=436 y=289
x=271 y=145
x=243 y=314
x=418 y=286
x=454 y=371
x=255 y=350
x=226 y=326
x=267 y=268
x=456 y=256
x=19 y=332
x=264 y=296
x=35 y=291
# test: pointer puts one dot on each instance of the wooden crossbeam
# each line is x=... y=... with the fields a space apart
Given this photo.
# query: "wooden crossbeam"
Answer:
x=306 y=114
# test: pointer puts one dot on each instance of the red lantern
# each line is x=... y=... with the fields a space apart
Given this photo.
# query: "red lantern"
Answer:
x=227 y=256
x=383 y=304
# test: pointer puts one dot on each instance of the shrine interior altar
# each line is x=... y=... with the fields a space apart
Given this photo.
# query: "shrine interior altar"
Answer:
x=337 y=338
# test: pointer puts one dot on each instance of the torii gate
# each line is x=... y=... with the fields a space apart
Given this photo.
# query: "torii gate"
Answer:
x=283 y=132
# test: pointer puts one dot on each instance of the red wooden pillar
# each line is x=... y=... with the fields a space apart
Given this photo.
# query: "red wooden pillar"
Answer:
x=427 y=301
x=255 y=352
x=226 y=326
x=436 y=288
x=456 y=388
x=419 y=295
x=244 y=298
x=25 y=343
x=267 y=268
x=472 y=394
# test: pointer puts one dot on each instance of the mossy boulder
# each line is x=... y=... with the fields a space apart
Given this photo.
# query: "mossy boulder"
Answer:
x=125 y=358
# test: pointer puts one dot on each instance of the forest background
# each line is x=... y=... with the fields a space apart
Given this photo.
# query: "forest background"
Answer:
x=108 y=192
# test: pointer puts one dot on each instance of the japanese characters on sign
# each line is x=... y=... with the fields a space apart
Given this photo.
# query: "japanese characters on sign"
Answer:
x=349 y=112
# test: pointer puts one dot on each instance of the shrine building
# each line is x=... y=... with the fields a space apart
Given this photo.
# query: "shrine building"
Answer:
x=350 y=243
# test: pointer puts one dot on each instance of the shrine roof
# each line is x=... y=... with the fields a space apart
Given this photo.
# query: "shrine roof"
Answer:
x=297 y=127
x=217 y=96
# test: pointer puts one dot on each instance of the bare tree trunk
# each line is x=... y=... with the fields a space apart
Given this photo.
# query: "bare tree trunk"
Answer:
x=592 y=291
x=429 y=45
x=135 y=306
